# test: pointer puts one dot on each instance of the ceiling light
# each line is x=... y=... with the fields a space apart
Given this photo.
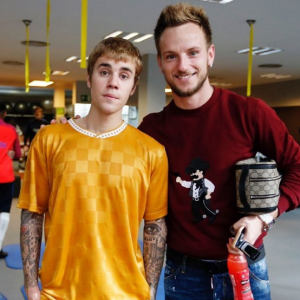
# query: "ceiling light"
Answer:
x=275 y=76
x=271 y=51
x=144 y=37
x=79 y=60
x=130 y=35
x=260 y=50
x=40 y=83
x=168 y=90
x=247 y=50
x=219 y=1
x=114 y=34
x=71 y=58
x=60 y=73
x=221 y=84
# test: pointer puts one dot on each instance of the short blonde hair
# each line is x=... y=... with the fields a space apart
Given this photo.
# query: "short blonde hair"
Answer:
x=179 y=14
x=118 y=49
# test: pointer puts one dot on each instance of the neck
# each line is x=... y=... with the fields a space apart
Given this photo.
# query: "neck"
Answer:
x=196 y=100
x=100 y=123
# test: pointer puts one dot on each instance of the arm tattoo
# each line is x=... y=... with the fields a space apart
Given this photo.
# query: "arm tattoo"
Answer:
x=155 y=233
x=30 y=240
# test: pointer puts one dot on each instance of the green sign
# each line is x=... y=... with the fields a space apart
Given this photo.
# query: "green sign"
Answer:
x=60 y=111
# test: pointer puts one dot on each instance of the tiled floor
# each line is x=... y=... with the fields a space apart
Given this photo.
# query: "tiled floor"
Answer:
x=282 y=247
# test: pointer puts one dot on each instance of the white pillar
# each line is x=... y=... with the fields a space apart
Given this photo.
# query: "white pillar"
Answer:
x=151 y=89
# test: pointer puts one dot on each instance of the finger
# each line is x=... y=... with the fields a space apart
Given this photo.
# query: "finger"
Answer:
x=77 y=117
x=234 y=251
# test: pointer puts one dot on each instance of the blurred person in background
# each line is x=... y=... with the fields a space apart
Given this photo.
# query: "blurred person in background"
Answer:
x=9 y=150
x=34 y=125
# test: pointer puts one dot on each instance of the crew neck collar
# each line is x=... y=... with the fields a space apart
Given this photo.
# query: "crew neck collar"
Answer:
x=199 y=110
x=95 y=135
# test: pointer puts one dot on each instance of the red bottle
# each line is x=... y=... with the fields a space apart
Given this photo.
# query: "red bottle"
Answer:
x=239 y=275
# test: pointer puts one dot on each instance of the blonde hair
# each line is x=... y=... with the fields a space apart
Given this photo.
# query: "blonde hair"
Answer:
x=179 y=14
x=117 y=49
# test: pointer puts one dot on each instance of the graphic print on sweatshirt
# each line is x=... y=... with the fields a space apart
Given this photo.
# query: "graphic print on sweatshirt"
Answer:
x=200 y=190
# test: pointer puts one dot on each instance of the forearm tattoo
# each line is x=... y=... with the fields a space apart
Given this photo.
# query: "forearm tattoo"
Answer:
x=30 y=240
x=155 y=234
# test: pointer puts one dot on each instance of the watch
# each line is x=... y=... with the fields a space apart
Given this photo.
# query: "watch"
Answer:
x=268 y=221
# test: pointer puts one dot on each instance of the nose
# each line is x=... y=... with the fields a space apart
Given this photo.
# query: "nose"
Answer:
x=113 y=81
x=183 y=63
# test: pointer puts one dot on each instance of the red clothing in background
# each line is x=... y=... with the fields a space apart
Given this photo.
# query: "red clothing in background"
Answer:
x=8 y=141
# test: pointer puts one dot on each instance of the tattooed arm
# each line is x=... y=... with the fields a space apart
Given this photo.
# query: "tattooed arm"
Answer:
x=155 y=233
x=30 y=239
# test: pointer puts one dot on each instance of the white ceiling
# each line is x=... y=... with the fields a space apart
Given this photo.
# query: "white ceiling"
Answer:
x=277 y=25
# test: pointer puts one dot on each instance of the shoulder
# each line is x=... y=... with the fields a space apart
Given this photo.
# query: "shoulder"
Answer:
x=243 y=103
x=8 y=127
x=145 y=140
x=53 y=130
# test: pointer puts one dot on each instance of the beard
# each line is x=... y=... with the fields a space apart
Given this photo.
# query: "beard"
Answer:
x=187 y=93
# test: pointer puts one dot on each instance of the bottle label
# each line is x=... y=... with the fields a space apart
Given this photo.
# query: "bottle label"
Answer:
x=241 y=285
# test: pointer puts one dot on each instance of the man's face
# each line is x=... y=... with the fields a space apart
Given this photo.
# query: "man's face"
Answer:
x=197 y=175
x=111 y=83
x=38 y=114
x=185 y=58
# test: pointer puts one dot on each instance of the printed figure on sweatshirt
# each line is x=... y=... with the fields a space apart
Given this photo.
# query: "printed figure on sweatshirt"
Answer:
x=200 y=190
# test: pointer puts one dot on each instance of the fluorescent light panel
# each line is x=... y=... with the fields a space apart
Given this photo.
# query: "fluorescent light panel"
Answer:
x=219 y=1
x=130 y=35
x=114 y=34
x=40 y=83
x=71 y=58
x=260 y=51
x=75 y=58
x=60 y=73
x=275 y=76
x=142 y=38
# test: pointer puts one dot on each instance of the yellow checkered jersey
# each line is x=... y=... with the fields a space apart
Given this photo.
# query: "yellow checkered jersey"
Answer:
x=94 y=191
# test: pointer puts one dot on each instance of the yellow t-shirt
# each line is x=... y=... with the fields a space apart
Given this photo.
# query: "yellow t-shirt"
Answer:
x=94 y=191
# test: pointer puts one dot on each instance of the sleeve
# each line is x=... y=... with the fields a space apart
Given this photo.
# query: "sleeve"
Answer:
x=35 y=189
x=272 y=139
x=210 y=186
x=186 y=184
x=157 y=196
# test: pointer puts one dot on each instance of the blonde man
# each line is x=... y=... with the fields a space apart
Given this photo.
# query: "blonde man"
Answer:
x=94 y=180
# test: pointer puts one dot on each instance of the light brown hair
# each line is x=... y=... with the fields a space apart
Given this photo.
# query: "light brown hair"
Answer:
x=179 y=14
x=117 y=49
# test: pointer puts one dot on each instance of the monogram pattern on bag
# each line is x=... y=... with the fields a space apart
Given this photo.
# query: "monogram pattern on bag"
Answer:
x=261 y=187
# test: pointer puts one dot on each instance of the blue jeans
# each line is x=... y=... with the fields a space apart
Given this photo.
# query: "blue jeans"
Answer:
x=187 y=283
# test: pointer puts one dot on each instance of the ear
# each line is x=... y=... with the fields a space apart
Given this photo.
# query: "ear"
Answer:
x=159 y=62
x=211 y=54
x=88 y=81
x=133 y=89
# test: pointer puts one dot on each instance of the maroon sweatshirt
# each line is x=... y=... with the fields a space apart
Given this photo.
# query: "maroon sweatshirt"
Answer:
x=226 y=129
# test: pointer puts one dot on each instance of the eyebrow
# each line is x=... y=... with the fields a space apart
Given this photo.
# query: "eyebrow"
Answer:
x=107 y=65
x=187 y=50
